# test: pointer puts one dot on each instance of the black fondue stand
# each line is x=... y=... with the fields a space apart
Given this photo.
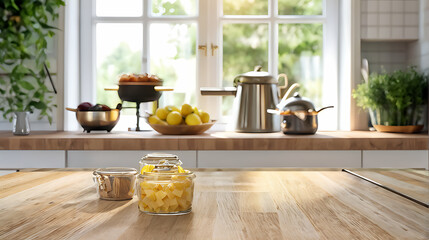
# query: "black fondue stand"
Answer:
x=140 y=92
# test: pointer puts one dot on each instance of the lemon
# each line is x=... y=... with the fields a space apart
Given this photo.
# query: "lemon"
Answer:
x=161 y=122
x=186 y=109
x=171 y=108
x=193 y=119
x=180 y=169
x=174 y=118
x=205 y=117
x=161 y=113
x=196 y=111
x=153 y=119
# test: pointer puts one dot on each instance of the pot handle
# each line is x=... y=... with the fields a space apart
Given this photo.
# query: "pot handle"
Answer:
x=286 y=96
x=71 y=109
x=111 y=89
x=283 y=75
x=227 y=91
x=163 y=89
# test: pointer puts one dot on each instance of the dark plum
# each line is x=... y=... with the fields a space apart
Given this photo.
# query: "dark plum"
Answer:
x=99 y=107
x=85 y=106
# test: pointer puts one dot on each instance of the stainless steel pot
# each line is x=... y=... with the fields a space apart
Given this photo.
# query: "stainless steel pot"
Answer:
x=255 y=92
x=299 y=115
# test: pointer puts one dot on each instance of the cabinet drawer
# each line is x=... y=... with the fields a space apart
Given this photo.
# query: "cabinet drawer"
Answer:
x=258 y=159
x=98 y=159
x=395 y=159
x=32 y=159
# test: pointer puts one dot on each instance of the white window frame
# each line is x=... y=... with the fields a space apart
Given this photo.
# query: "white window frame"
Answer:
x=209 y=24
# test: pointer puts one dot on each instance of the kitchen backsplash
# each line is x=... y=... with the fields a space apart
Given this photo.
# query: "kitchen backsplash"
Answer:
x=385 y=56
x=390 y=19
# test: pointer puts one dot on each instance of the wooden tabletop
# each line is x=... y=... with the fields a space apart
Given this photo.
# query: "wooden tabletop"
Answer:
x=411 y=182
x=227 y=205
x=358 y=140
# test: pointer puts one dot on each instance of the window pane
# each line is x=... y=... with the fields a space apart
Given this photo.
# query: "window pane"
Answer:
x=122 y=8
x=174 y=7
x=245 y=7
x=244 y=47
x=118 y=50
x=300 y=7
x=173 y=58
x=300 y=57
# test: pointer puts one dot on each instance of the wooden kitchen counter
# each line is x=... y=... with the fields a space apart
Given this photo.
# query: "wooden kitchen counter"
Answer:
x=61 y=204
x=357 y=140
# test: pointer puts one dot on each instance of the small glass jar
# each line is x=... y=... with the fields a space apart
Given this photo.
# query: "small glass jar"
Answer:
x=165 y=190
x=115 y=183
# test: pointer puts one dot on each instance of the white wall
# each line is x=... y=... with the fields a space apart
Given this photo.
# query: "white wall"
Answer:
x=419 y=51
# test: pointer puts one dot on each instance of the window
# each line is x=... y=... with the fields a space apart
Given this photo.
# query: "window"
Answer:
x=296 y=37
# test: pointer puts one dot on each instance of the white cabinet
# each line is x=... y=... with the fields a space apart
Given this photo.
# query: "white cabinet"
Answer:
x=6 y=172
x=15 y=159
x=390 y=19
x=98 y=159
x=258 y=159
x=395 y=159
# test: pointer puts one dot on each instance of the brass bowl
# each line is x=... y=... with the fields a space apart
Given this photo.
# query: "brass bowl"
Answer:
x=182 y=129
x=97 y=120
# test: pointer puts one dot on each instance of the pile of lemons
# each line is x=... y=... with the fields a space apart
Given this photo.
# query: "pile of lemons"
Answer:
x=171 y=115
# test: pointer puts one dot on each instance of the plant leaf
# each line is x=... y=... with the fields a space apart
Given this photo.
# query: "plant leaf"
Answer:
x=26 y=85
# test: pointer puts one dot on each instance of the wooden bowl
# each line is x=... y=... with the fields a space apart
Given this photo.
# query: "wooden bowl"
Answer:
x=182 y=129
x=399 y=129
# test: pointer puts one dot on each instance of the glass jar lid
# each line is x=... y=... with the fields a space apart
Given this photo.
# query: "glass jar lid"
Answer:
x=161 y=162
x=115 y=171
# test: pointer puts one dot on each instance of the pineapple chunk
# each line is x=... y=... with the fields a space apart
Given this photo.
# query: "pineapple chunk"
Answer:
x=164 y=208
x=147 y=185
x=183 y=203
x=178 y=185
x=160 y=195
x=188 y=194
x=142 y=205
x=172 y=208
x=178 y=192
x=152 y=196
x=170 y=194
x=159 y=203
x=148 y=191
x=173 y=202
x=146 y=201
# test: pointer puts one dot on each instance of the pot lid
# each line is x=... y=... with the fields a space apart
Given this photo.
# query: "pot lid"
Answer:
x=255 y=76
x=297 y=103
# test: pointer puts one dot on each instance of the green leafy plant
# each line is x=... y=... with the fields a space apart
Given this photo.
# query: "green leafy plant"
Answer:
x=397 y=98
x=25 y=26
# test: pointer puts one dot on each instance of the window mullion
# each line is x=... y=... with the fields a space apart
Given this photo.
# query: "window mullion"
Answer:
x=272 y=43
x=145 y=47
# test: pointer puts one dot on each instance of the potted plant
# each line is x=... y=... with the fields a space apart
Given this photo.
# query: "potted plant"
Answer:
x=395 y=101
x=25 y=27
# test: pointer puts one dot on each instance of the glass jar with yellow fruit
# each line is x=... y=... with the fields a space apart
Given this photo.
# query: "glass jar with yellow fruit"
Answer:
x=163 y=186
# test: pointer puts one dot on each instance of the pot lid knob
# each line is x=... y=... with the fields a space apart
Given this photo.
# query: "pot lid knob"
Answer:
x=297 y=102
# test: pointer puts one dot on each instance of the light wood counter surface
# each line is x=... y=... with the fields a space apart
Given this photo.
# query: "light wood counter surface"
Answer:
x=227 y=205
x=358 y=140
